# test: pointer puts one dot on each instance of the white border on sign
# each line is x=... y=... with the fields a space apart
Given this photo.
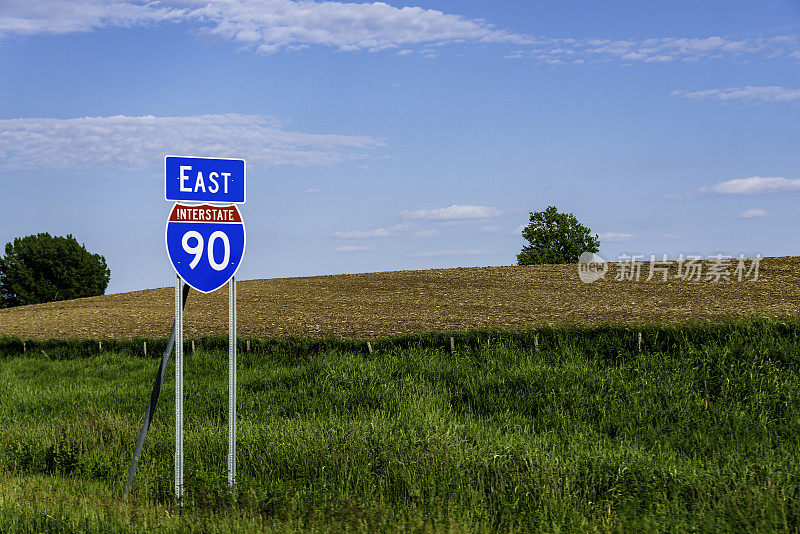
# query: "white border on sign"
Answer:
x=244 y=177
x=244 y=246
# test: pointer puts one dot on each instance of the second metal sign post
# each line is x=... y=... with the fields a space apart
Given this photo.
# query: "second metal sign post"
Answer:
x=232 y=382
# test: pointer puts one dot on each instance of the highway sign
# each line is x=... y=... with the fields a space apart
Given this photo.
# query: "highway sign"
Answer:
x=191 y=179
x=205 y=244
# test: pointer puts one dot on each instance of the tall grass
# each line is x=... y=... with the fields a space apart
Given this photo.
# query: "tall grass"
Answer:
x=700 y=431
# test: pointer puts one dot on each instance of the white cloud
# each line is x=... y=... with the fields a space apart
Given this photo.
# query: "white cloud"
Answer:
x=263 y=25
x=670 y=236
x=615 y=237
x=142 y=141
x=448 y=253
x=425 y=234
x=308 y=191
x=768 y=93
x=753 y=186
x=362 y=234
x=22 y=17
x=680 y=197
x=353 y=248
x=518 y=230
x=753 y=213
x=660 y=50
x=270 y=25
x=395 y=230
x=453 y=213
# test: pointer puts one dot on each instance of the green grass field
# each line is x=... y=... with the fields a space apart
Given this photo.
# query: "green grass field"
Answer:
x=698 y=431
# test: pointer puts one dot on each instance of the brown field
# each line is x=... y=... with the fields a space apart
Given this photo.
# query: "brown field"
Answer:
x=388 y=303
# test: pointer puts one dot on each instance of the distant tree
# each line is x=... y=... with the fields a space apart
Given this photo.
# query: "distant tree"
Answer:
x=555 y=237
x=44 y=268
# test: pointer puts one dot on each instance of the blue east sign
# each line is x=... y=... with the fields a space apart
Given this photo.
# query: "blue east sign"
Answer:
x=205 y=244
x=191 y=179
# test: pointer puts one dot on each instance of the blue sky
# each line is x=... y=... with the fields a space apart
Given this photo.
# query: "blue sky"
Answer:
x=404 y=135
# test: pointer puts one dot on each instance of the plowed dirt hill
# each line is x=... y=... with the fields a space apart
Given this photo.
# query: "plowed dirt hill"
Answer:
x=380 y=304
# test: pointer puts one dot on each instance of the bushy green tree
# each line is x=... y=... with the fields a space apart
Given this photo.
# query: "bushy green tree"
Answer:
x=555 y=237
x=44 y=268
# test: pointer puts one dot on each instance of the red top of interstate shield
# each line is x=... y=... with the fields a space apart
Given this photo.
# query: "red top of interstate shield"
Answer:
x=205 y=213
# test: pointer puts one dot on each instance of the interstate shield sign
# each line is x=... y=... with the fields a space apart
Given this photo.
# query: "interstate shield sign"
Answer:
x=205 y=244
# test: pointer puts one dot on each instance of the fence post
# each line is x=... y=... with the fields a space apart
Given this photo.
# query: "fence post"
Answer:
x=193 y=346
x=452 y=345
x=100 y=346
x=369 y=347
x=536 y=342
x=24 y=347
x=248 y=346
x=640 y=342
x=144 y=343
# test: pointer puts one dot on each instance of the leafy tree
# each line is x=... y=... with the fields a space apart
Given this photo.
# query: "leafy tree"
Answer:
x=45 y=268
x=555 y=238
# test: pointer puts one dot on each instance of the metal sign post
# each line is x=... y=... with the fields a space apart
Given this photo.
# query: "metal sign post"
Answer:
x=232 y=382
x=178 y=390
